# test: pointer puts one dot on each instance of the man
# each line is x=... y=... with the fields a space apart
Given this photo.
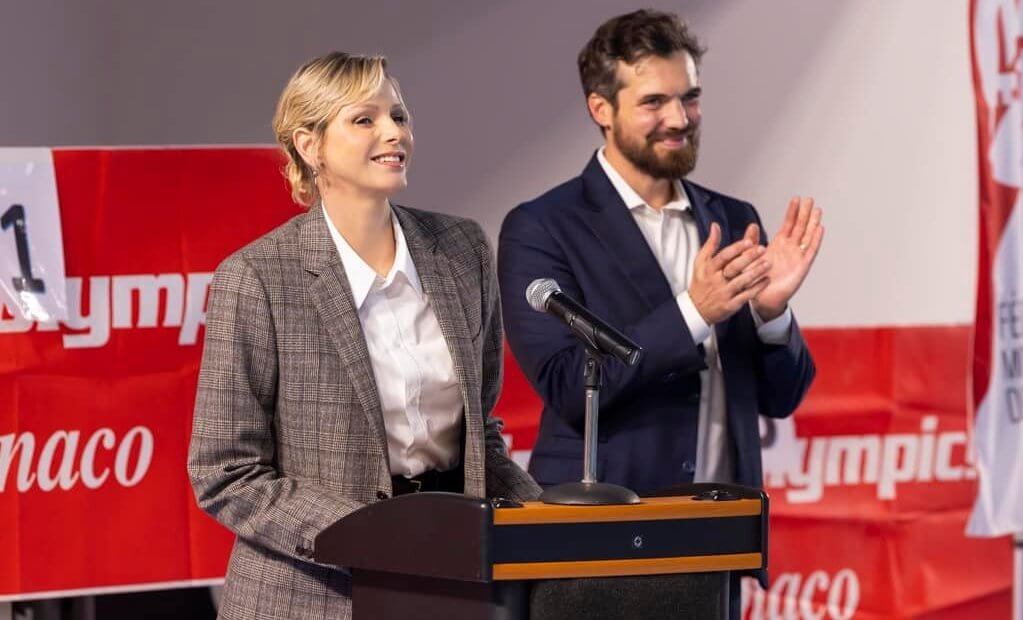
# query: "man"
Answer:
x=682 y=270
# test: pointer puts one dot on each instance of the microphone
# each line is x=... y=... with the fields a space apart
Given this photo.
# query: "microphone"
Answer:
x=544 y=295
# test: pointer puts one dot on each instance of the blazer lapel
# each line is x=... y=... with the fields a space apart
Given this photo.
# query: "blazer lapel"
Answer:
x=705 y=210
x=612 y=223
x=440 y=286
x=332 y=296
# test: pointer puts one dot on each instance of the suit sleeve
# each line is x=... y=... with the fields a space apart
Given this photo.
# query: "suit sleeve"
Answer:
x=551 y=357
x=504 y=477
x=232 y=453
x=785 y=370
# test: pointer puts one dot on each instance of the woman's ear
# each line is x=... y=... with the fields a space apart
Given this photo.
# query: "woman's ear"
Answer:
x=305 y=143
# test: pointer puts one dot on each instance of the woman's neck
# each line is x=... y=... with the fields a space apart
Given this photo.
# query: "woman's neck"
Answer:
x=365 y=223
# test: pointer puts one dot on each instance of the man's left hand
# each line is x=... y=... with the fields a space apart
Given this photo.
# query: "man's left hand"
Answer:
x=790 y=253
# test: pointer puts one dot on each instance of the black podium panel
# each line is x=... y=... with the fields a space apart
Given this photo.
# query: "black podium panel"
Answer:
x=382 y=595
x=693 y=596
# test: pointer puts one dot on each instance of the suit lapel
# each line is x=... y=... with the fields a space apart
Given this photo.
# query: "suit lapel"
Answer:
x=332 y=296
x=613 y=225
x=440 y=285
x=437 y=278
x=705 y=210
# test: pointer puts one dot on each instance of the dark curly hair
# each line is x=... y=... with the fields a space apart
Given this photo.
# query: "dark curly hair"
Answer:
x=630 y=38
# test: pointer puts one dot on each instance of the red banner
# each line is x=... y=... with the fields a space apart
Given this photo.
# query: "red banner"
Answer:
x=95 y=413
x=871 y=489
x=869 y=484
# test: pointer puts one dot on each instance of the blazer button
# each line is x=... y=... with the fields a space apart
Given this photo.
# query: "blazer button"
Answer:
x=382 y=495
x=688 y=466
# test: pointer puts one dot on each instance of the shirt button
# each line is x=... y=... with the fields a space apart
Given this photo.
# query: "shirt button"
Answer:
x=381 y=495
x=688 y=466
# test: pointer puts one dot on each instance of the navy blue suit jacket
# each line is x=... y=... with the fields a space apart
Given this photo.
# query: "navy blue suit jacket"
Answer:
x=582 y=235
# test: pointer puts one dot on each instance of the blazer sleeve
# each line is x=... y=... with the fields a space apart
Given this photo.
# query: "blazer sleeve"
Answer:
x=551 y=357
x=231 y=459
x=504 y=477
x=785 y=371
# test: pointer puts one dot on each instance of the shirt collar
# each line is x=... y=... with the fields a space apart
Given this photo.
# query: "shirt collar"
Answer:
x=629 y=196
x=362 y=277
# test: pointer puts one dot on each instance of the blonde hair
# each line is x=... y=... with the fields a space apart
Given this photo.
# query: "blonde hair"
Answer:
x=312 y=98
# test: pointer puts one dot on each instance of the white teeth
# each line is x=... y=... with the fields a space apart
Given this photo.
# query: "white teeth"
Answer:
x=389 y=159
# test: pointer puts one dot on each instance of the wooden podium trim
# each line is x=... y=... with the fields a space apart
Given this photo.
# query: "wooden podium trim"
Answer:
x=615 y=568
x=652 y=509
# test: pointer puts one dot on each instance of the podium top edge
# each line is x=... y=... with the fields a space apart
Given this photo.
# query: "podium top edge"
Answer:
x=650 y=509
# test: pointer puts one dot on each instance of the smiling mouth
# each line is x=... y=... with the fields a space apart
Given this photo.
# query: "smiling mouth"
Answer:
x=391 y=160
x=674 y=140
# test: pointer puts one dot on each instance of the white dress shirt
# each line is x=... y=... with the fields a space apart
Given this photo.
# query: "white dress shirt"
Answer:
x=420 y=396
x=673 y=237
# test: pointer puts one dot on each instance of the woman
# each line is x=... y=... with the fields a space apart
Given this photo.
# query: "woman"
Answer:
x=348 y=352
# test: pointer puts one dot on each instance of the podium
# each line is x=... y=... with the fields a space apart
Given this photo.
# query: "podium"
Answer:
x=447 y=555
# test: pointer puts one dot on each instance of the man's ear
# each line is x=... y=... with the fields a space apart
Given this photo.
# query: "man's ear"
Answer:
x=306 y=144
x=601 y=110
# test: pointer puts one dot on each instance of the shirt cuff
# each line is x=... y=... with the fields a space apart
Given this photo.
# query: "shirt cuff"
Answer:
x=775 y=331
x=698 y=328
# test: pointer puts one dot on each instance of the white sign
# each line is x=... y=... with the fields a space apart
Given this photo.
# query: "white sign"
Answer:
x=32 y=284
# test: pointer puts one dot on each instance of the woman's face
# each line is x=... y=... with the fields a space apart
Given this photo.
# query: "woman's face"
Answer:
x=367 y=146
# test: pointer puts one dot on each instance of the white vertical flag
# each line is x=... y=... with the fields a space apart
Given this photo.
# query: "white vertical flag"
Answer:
x=997 y=35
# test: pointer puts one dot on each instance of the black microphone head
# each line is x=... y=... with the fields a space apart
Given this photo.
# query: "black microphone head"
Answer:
x=539 y=291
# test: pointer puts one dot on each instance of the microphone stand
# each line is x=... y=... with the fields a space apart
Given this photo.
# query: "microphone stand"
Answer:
x=589 y=491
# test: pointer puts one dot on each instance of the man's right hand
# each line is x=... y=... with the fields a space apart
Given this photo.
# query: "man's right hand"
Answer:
x=725 y=281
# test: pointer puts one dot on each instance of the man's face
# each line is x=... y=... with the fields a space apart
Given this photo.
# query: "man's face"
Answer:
x=656 y=122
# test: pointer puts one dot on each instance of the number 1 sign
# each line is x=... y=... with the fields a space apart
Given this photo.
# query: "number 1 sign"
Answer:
x=31 y=244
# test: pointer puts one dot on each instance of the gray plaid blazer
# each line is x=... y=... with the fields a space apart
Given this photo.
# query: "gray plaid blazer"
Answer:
x=288 y=435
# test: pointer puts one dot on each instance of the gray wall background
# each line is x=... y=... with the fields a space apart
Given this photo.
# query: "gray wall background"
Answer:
x=866 y=105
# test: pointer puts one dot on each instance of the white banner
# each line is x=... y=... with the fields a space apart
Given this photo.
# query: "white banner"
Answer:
x=998 y=359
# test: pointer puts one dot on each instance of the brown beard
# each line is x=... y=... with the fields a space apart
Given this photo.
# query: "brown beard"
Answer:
x=676 y=164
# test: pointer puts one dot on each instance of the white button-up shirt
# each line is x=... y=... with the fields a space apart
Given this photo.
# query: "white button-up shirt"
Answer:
x=673 y=237
x=420 y=397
